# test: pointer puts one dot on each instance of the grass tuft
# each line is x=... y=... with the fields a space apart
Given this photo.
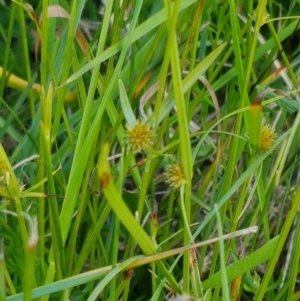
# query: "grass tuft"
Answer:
x=149 y=150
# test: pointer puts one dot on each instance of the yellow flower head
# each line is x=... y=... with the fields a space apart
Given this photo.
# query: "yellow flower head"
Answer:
x=175 y=176
x=139 y=137
x=268 y=136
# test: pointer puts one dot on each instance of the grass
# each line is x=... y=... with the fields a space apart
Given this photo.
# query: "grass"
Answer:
x=149 y=150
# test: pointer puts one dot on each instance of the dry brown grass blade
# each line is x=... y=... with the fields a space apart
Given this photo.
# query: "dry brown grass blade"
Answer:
x=142 y=84
x=144 y=99
x=57 y=11
x=216 y=160
x=54 y=11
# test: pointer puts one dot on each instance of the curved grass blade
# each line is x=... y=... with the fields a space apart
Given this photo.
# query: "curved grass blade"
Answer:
x=139 y=32
x=109 y=277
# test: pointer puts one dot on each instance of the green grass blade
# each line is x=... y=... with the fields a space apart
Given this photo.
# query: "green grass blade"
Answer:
x=244 y=265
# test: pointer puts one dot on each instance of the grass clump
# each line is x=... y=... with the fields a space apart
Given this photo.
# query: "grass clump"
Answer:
x=149 y=151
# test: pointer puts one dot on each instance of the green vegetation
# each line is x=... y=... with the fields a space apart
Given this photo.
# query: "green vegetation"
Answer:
x=149 y=150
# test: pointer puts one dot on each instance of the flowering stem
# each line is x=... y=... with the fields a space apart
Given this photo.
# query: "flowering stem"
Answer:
x=185 y=145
